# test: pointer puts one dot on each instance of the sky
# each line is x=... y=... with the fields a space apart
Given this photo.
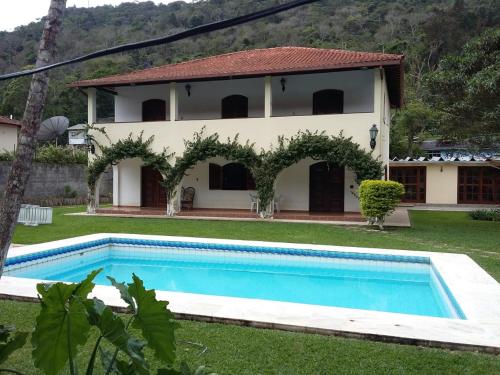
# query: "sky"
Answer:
x=15 y=13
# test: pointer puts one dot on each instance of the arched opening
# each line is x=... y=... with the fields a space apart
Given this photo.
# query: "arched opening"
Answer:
x=154 y=110
x=328 y=101
x=326 y=188
x=234 y=106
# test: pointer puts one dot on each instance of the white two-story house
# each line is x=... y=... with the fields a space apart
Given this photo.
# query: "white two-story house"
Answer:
x=259 y=95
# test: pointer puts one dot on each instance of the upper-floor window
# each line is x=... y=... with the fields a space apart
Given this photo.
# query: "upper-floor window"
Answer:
x=154 y=110
x=234 y=106
x=328 y=101
x=232 y=176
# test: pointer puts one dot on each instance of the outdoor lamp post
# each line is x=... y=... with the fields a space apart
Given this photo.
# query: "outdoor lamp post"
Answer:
x=373 y=136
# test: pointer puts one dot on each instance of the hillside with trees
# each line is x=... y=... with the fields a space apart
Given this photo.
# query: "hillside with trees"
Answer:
x=429 y=33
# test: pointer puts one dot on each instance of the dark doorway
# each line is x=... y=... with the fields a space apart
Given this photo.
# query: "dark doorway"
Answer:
x=413 y=179
x=234 y=106
x=478 y=185
x=326 y=188
x=153 y=194
x=327 y=102
x=154 y=110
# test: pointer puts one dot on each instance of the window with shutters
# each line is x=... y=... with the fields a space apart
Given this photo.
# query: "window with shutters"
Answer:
x=232 y=176
x=328 y=102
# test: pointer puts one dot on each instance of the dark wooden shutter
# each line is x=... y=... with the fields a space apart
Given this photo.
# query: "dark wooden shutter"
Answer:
x=234 y=106
x=214 y=176
x=328 y=102
x=154 y=110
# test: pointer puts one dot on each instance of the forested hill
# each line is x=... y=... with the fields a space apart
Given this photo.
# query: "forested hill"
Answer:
x=423 y=30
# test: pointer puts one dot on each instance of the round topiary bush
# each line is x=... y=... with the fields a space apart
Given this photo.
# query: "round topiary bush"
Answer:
x=378 y=199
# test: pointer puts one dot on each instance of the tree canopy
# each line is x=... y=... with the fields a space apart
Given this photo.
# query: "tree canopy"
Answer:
x=465 y=90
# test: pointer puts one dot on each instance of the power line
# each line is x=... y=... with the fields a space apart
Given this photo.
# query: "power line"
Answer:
x=209 y=27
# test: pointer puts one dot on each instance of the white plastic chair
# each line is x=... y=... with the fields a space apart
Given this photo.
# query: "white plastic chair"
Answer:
x=254 y=202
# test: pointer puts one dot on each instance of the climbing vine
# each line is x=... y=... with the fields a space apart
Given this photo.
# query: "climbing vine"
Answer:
x=124 y=149
x=201 y=148
x=265 y=166
x=335 y=150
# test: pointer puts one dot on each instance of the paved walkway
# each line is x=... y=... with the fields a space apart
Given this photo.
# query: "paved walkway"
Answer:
x=450 y=207
x=399 y=218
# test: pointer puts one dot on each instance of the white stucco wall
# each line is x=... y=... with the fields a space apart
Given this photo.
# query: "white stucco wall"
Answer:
x=292 y=185
x=205 y=100
x=129 y=182
x=442 y=184
x=128 y=102
x=297 y=98
x=8 y=137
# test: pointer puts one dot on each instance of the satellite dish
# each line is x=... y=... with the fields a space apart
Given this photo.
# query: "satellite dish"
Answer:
x=52 y=128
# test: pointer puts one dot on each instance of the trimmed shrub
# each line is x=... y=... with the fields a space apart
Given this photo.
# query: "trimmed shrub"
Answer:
x=492 y=214
x=378 y=199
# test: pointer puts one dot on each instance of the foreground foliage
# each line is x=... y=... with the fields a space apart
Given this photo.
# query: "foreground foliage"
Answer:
x=68 y=317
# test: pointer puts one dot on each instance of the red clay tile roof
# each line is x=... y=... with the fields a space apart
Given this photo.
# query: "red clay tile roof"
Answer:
x=259 y=62
x=7 y=121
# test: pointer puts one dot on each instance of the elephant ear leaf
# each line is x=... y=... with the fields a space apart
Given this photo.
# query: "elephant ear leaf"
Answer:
x=124 y=293
x=10 y=344
x=113 y=329
x=155 y=321
x=62 y=324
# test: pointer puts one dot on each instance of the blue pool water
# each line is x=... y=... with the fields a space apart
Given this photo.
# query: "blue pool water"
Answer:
x=400 y=287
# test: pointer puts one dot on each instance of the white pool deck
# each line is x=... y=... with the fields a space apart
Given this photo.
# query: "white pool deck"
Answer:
x=476 y=292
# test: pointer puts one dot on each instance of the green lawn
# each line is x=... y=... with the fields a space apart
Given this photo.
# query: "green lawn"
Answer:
x=242 y=350
x=431 y=231
x=250 y=351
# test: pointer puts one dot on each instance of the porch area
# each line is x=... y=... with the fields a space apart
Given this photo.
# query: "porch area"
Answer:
x=226 y=213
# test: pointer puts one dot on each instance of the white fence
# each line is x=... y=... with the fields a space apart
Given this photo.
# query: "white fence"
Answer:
x=34 y=215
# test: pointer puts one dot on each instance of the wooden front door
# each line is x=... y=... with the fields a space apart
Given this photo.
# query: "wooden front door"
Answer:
x=413 y=179
x=326 y=188
x=153 y=194
x=478 y=185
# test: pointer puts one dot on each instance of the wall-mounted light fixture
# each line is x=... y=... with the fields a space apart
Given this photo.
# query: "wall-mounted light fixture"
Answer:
x=373 y=136
x=89 y=145
x=283 y=84
x=188 y=89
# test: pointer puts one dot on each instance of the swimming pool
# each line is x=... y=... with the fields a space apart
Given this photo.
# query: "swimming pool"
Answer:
x=389 y=283
x=413 y=297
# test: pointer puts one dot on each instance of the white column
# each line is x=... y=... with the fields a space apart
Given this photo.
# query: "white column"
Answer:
x=174 y=108
x=268 y=97
x=91 y=106
x=116 y=185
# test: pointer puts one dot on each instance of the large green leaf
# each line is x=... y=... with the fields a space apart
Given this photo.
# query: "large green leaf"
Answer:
x=62 y=324
x=155 y=321
x=9 y=344
x=113 y=329
x=124 y=293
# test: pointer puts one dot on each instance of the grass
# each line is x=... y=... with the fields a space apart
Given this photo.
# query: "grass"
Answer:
x=431 y=231
x=251 y=351
x=243 y=350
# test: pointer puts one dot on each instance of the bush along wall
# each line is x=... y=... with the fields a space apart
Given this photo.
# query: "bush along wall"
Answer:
x=265 y=166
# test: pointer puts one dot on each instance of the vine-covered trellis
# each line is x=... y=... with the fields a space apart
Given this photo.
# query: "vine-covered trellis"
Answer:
x=124 y=149
x=339 y=151
x=265 y=166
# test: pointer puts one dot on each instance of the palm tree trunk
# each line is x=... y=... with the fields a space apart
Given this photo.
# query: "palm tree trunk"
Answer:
x=19 y=173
